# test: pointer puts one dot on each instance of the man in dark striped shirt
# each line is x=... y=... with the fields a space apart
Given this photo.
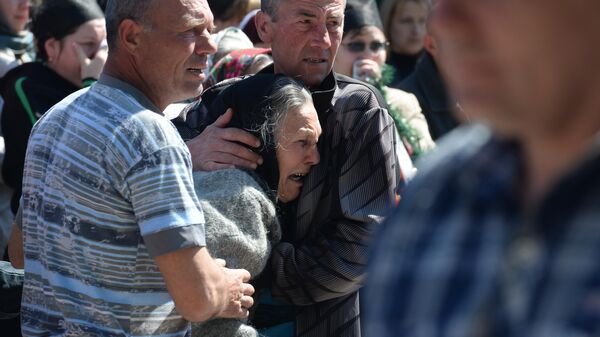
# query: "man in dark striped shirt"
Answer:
x=319 y=266
x=500 y=233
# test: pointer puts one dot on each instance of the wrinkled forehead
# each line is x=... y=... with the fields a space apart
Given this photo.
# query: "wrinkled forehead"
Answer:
x=188 y=12
x=327 y=7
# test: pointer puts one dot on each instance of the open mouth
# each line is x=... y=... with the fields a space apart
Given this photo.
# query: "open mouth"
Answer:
x=298 y=177
x=315 y=60
x=196 y=71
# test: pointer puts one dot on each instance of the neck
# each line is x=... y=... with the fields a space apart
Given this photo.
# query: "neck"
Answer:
x=127 y=72
x=547 y=159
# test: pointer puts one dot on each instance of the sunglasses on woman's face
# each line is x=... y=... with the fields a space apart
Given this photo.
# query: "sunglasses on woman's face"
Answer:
x=359 y=46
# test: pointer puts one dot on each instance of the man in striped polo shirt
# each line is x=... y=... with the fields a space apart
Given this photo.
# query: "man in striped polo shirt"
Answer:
x=113 y=232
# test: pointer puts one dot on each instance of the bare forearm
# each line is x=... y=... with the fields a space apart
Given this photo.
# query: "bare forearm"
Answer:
x=15 y=248
x=201 y=288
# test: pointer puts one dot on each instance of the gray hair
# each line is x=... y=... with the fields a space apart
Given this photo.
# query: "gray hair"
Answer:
x=288 y=95
x=119 y=10
x=270 y=7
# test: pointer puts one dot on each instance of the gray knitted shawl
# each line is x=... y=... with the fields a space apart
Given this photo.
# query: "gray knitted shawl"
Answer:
x=241 y=226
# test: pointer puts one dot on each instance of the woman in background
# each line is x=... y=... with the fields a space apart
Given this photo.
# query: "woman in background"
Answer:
x=362 y=55
x=16 y=43
x=404 y=25
x=69 y=35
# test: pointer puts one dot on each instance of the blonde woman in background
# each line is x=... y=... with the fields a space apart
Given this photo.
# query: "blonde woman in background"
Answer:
x=404 y=24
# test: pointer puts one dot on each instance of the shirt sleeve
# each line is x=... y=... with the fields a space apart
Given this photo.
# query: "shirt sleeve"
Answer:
x=164 y=202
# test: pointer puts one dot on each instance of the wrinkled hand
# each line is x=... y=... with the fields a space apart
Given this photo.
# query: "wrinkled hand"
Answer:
x=216 y=148
x=365 y=70
x=91 y=68
x=240 y=293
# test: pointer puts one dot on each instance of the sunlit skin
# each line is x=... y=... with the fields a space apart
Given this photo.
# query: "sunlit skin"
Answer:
x=297 y=150
x=537 y=76
x=63 y=56
x=371 y=61
x=529 y=69
x=15 y=14
x=408 y=28
x=175 y=72
x=305 y=37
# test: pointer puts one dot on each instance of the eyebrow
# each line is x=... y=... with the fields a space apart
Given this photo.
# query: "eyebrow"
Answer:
x=303 y=12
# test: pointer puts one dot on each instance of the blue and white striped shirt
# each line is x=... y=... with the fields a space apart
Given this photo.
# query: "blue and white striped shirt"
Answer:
x=462 y=257
x=107 y=186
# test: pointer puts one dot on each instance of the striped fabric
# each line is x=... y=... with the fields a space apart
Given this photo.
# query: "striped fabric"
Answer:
x=462 y=257
x=107 y=186
x=321 y=262
x=322 y=265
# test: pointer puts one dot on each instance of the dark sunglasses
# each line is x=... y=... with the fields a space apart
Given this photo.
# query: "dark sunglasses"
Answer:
x=359 y=46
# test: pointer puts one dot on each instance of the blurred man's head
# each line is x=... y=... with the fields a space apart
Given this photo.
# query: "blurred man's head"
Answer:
x=304 y=35
x=165 y=42
x=525 y=66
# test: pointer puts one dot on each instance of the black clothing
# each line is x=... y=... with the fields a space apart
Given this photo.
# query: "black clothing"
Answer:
x=320 y=263
x=361 y=13
x=59 y=18
x=29 y=90
x=403 y=65
x=428 y=86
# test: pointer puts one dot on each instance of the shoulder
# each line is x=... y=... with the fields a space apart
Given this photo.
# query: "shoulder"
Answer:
x=403 y=100
x=355 y=92
x=234 y=192
x=237 y=182
x=455 y=156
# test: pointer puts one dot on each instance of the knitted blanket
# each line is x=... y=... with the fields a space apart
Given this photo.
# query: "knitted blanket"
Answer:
x=241 y=226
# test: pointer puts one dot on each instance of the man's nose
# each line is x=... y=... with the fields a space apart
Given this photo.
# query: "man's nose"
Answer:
x=205 y=45
x=321 y=37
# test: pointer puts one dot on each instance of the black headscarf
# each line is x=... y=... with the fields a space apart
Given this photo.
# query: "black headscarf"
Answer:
x=250 y=104
x=361 y=13
x=59 y=18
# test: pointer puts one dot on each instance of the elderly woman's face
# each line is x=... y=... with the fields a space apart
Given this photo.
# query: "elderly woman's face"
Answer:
x=297 y=150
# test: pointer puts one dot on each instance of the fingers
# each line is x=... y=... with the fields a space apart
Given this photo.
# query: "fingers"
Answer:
x=224 y=119
x=220 y=262
x=91 y=67
x=240 y=294
x=83 y=59
x=246 y=302
x=218 y=147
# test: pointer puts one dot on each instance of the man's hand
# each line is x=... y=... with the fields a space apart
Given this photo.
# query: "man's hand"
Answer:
x=216 y=147
x=240 y=293
x=202 y=288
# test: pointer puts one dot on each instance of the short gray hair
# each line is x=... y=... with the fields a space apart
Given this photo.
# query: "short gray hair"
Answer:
x=119 y=10
x=288 y=95
x=270 y=7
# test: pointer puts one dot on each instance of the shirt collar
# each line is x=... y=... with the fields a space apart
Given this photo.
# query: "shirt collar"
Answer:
x=130 y=90
x=322 y=94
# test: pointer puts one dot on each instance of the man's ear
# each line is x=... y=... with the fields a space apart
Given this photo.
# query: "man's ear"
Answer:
x=264 y=26
x=430 y=45
x=129 y=35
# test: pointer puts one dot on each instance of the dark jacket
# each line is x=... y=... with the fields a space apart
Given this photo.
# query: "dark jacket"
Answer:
x=320 y=263
x=404 y=65
x=427 y=84
x=29 y=90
